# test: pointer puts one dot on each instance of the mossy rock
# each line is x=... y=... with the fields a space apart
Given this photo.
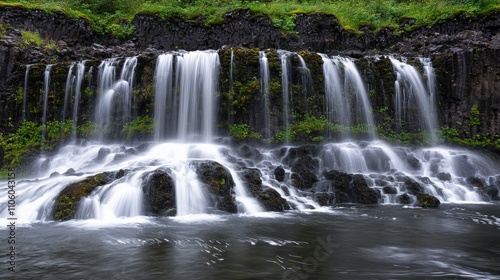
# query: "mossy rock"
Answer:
x=428 y=201
x=69 y=199
x=159 y=193
x=219 y=183
x=271 y=200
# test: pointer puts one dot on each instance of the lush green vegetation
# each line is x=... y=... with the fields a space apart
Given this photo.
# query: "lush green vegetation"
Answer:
x=31 y=138
x=139 y=128
x=115 y=16
x=242 y=132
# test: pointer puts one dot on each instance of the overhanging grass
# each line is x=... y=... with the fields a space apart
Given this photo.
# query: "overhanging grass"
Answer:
x=111 y=16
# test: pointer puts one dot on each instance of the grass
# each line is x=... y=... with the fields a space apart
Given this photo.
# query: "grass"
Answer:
x=115 y=16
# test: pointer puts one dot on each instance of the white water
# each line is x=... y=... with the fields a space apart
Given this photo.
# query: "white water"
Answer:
x=115 y=95
x=26 y=79
x=264 y=91
x=165 y=98
x=306 y=80
x=46 y=85
x=410 y=91
x=70 y=79
x=198 y=78
x=80 y=73
x=285 y=80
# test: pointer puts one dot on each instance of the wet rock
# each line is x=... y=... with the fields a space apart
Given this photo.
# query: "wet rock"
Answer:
x=324 y=198
x=413 y=162
x=219 y=183
x=250 y=153
x=68 y=201
x=428 y=201
x=54 y=174
x=279 y=174
x=69 y=172
x=354 y=187
x=102 y=153
x=444 y=176
x=271 y=200
x=252 y=179
x=413 y=187
x=475 y=182
x=303 y=165
x=404 y=199
x=390 y=190
x=159 y=193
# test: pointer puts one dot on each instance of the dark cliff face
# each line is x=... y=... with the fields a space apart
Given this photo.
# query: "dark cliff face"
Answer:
x=465 y=54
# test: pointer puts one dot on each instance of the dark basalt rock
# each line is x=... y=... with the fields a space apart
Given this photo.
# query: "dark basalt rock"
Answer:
x=390 y=190
x=404 y=199
x=271 y=200
x=428 y=201
x=324 y=198
x=1 y=157
x=68 y=201
x=159 y=192
x=351 y=188
x=102 y=153
x=444 y=176
x=279 y=174
x=413 y=187
x=219 y=183
x=303 y=165
x=252 y=180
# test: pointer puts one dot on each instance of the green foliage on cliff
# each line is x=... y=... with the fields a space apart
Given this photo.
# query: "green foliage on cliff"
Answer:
x=242 y=132
x=115 y=16
x=139 y=128
x=28 y=140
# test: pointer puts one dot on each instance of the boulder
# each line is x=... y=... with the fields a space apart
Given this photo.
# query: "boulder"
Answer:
x=271 y=200
x=351 y=188
x=324 y=198
x=279 y=174
x=159 y=193
x=219 y=183
x=428 y=201
x=68 y=201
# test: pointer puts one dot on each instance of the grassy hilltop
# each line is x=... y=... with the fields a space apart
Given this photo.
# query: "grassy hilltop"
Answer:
x=114 y=16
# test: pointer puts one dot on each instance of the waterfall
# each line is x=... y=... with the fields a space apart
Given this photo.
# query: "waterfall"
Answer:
x=264 y=91
x=342 y=80
x=285 y=74
x=46 y=85
x=70 y=79
x=113 y=108
x=165 y=98
x=199 y=73
x=414 y=98
x=80 y=74
x=306 y=80
x=26 y=79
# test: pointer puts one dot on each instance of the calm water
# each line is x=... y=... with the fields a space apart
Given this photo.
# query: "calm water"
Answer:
x=348 y=242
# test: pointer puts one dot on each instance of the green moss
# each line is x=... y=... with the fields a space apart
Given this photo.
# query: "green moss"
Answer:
x=242 y=132
x=31 y=38
x=140 y=128
x=474 y=115
x=68 y=200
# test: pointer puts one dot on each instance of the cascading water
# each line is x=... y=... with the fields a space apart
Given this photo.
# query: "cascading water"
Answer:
x=414 y=98
x=264 y=90
x=165 y=98
x=80 y=74
x=199 y=73
x=285 y=78
x=342 y=80
x=307 y=81
x=26 y=79
x=46 y=85
x=185 y=106
x=115 y=96
x=70 y=79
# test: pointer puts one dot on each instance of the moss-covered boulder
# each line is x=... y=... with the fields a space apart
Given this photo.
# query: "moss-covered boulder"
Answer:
x=428 y=201
x=252 y=179
x=304 y=165
x=219 y=183
x=271 y=200
x=324 y=198
x=69 y=199
x=159 y=193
